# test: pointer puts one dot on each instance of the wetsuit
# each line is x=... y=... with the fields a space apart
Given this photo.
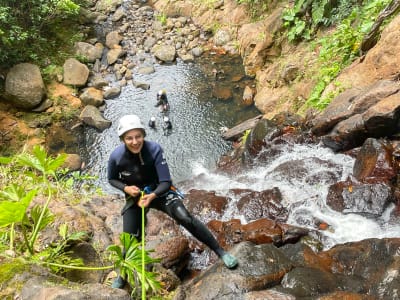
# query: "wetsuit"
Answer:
x=150 y=169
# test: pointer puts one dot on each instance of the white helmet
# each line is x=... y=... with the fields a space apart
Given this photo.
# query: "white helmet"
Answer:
x=129 y=122
x=166 y=119
x=162 y=94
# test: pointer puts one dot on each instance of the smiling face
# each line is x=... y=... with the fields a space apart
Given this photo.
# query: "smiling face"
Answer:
x=134 y=139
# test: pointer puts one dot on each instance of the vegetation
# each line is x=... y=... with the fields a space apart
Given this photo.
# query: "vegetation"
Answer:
x=352 y=19
x=34 y=29
x=21 y=221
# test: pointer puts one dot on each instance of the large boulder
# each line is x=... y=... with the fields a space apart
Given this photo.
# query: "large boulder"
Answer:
x=24 y=86
x=75 y=73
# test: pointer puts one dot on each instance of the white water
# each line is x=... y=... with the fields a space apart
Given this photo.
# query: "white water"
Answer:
x=305 y=201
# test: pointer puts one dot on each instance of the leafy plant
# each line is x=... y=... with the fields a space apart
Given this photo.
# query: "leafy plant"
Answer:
x=338 y=49
x=40 y=169
x=30 y=29
x=129 y=262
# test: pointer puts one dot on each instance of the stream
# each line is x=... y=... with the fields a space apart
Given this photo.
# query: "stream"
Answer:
x=195 y=145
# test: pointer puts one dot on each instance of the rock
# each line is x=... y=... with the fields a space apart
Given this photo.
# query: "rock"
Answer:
x=91 y=116
x=112 y=92
x=92 y=96
x=114 y=54
x=75 y=73
x=375 y=163
x=73 y=162
x=24 y=86
x=221 y=37
x=88 y=51
x=113 y=39
x=165 y=53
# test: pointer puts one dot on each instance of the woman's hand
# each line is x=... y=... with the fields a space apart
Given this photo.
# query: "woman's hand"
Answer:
x=132 y=190
x=146 y=199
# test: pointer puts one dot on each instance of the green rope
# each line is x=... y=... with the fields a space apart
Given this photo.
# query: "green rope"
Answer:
x=143 y=252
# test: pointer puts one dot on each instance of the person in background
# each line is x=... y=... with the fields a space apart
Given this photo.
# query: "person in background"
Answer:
x=152 y=122
x=138 y=165
x=167 y=126
x=162 y=101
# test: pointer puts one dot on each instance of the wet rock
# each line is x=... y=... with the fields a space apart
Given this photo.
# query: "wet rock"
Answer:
x=259 y=267
x=266 y=204
x=141 y=85
x=222 y=93
x=305 y=282
x=248 y=96
x=353 y=197
x=91 y=258
x=205 y=203
x=112 y=92
x=353 y=101
x=374 y=162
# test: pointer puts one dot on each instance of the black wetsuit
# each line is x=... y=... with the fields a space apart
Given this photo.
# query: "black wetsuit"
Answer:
x=150 y=169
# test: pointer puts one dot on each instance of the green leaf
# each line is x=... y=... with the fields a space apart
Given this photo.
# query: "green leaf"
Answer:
x=11 y=212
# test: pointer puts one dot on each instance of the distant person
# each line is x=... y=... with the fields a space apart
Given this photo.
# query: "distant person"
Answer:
x=167 y=126
x=139 y=165
x=162 y=101
x=152 y=122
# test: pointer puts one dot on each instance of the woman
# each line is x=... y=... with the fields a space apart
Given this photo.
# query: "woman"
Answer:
x=138 y=165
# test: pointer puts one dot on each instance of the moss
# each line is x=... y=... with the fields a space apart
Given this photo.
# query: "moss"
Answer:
x=10 y=268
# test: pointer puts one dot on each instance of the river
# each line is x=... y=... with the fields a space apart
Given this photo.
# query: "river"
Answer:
x=195 y=145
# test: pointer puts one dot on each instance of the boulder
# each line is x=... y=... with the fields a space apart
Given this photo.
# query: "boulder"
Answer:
x=91 y=116
x=75 y=73
x=24 y=86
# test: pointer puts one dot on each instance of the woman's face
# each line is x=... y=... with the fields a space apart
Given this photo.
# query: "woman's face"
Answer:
x=133 y=139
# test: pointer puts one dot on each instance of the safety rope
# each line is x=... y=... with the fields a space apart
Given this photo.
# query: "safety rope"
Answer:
x=143 y=251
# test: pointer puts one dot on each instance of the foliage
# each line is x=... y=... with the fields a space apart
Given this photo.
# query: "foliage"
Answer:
x=256 y=7
x=30 y=28
x=338 y=49
x=58 y=253
x=129 y=262
x=306 y=16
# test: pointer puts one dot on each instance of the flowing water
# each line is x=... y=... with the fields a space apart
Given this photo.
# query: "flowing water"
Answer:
x=195 y=145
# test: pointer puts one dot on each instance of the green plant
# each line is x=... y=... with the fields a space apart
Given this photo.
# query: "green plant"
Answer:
x=130 y=265
x=58 y=254
x=40 y=169
x=51 y=71
x=338 y=49
x=30 y=29
x=162 y=18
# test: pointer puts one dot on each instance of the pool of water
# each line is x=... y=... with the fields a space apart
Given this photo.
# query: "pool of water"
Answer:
x=196 y=115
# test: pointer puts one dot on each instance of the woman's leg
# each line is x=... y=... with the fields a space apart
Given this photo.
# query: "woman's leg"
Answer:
x=132 y=221
x=176 y=210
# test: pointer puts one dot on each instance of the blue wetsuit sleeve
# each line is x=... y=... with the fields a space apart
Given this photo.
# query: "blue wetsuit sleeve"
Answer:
x=113 y=174
x=164 y=176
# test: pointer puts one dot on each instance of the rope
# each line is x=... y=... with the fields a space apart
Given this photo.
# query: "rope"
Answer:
x=143 y=251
